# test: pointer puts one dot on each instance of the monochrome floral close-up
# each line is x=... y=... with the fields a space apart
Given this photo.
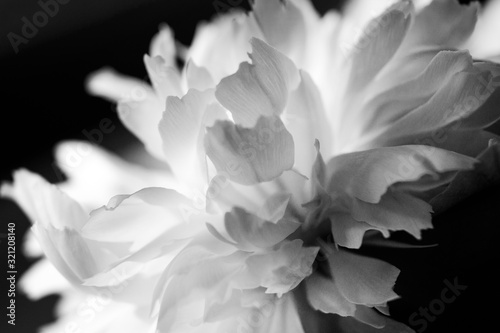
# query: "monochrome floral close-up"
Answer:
x=289 y=140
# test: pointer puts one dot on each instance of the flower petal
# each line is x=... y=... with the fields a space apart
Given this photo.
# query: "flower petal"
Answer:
x=348 y=232
x=284 y=318
x=198 y=77
x=42 y=279
x=139 y=108
x=369 y=316
x=366 y=175
x=44 y=203
x=379 y=42
x=467 y=183
x=180 y=129
x=281 y=23
x=484 y=40
x=226 y=37
x=115 y=87
x=166 y=80
x=57 y=223
x=396 y=102
x=363 y=280
x=323 y=295
x=283 y=269
x=395 y=211
x=163 y=45
x=305 y=118
x=465 y=93
x=201 y=276
x=269 y=200
x=250 y=231
x=68 y=251
x=260 y=88
x=487 y=114
x=250 y=155
x=138 y=217
x=444 y=22
x=352 y=325
x=89 y=167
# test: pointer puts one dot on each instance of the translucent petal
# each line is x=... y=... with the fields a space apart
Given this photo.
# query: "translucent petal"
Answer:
x=323 y=295
x=250 y=155
x=366 y=175
x=363 y=280
x=260 y=88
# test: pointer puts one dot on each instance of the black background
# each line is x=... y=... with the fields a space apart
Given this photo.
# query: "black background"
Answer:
x=43 y=101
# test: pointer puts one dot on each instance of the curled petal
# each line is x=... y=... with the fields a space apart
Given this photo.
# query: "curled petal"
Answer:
x=366 y=175
x=226 y=37
x=57 y=220
x=250 y=155
x=137 y=217
x=396 y=102
x=44 y=203
x=347 y=231
x=465 y=93
x=469 y=182
x=260 y=88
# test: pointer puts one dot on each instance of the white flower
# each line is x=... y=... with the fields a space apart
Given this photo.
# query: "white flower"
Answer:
x=282 y=160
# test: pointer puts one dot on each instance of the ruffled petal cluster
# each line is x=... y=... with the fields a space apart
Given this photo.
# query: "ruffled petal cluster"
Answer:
x=289 y=142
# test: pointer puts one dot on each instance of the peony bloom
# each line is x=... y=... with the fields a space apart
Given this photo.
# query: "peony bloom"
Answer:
x=290 y=143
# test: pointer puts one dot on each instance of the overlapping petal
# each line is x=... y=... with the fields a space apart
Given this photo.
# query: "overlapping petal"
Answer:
x=260 y=88
x=182 y=128
x=57 y=224
x=250 y=155
x=252 y=197
x=367 y=175
x=95 y=175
